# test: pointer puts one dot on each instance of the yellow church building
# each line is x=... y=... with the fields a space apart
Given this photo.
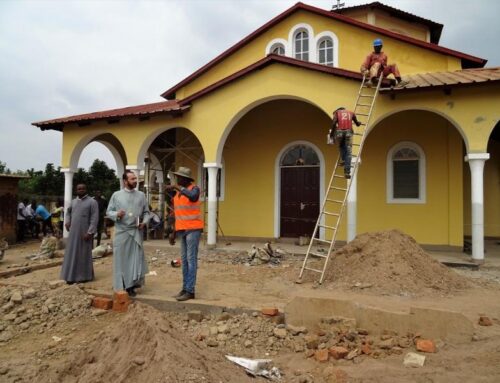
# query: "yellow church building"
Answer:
x=252 y=125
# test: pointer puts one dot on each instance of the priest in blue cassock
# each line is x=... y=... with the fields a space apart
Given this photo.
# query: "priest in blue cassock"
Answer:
x=129 y=210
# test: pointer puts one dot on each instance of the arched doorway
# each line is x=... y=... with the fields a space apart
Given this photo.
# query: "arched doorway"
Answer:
x=299 y=190
x=492 y=187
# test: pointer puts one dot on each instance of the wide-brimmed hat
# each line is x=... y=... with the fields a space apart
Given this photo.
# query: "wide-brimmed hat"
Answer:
x=184 y=172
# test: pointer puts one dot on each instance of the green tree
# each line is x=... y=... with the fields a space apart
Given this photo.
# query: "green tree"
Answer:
x=3 y=168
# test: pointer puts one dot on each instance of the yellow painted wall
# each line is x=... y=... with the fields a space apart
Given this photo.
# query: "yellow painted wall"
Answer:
x=354 y=44
x=250 y=156
x=473 y=109
x=415 y=30
x=439 y=219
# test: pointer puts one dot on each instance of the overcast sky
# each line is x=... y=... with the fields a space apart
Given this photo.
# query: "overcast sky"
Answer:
x=65 y=57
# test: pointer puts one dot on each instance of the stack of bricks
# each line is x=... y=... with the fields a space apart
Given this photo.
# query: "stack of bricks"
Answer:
x=120 y=301
x=102 y=303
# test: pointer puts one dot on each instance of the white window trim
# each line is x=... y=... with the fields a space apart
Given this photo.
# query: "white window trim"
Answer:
x=335 y=40
x=421 y=174
x=278 y=41
x=201 y=169
x=277 y=182
x=291 y=40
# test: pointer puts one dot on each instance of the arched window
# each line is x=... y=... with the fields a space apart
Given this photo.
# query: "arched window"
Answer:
x=325 y=51
x=278 y=49
x=300 y=155
x=301 y=45
x=406 y=174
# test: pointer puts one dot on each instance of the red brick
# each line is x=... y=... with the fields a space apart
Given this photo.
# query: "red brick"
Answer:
x=338 y=352
x=270 y=311
x=121 y=301
x=366 y=349
x=321 y=355
x=485 y=321
x=102 y=303
x=425 y=345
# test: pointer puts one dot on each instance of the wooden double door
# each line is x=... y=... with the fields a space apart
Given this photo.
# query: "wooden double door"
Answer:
x=299 y=200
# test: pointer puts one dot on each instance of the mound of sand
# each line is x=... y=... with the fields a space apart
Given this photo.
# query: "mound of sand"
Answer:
x=144 y=346
x=391 y=262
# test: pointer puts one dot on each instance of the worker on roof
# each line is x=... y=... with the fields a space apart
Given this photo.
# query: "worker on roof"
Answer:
x=376 y=63
x=343 y=132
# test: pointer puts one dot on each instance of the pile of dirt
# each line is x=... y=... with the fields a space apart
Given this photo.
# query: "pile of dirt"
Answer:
x=144 y=346
x=391 y=262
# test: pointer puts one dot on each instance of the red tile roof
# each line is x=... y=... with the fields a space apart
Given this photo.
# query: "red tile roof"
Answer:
x=435 y=28
x=462 y=77
x=161 y=107
x=468 y=60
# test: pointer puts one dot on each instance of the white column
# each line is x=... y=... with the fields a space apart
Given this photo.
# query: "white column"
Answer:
x=476 y=163
x=352 y=202
x=212 y=169
x=68 y=193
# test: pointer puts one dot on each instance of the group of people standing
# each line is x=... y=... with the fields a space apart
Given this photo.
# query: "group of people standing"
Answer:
x=129 y=210
x=30 y=216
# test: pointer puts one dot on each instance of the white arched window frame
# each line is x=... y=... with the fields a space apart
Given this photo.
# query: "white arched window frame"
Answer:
x=201 y=180
x=278 y=42
x=311 y=47
x=404 y=151
x=324 y=36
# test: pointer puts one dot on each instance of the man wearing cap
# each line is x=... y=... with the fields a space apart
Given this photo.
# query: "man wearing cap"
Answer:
x=376 y=63
x=188 y=228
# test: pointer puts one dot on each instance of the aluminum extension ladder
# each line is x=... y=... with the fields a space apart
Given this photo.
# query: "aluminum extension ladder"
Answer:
x=333 y=205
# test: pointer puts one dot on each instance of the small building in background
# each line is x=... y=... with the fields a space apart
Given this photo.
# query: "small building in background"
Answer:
x=8 y=206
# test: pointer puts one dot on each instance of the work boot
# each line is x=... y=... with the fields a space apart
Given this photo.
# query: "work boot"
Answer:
x=185 y=297
x=347 y=175
x=341 y=163
x=180 y=293
x=131 y=292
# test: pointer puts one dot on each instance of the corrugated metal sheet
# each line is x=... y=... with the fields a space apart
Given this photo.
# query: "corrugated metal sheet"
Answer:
x=446 y=79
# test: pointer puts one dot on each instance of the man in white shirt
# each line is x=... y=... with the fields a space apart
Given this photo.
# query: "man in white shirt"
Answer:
x=21 y=220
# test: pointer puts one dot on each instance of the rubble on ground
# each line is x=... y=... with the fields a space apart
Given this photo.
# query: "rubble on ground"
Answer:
x=261 y=336
x=39 y=307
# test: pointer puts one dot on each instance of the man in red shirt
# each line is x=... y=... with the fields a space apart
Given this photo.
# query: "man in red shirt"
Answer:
x=376 y=63
x=342 y=131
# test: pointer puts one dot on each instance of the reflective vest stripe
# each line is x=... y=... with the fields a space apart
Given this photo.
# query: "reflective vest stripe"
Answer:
x=187 y=217
x=186 y=207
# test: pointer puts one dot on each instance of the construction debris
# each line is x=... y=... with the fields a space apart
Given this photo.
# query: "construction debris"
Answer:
x=102 y=250
x=265 y=255
x=47 y=249
x=414 y=360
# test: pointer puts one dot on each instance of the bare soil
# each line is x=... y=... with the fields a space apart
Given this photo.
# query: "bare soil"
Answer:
x=56 y=337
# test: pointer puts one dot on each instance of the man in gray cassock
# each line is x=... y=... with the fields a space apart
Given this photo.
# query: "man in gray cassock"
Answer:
x=81 y=222
x=130 y=212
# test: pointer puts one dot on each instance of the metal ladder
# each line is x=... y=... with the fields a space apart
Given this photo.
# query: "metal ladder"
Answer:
x=333 y=205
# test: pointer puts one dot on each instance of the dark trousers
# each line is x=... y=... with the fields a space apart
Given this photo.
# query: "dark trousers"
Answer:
x=21 y=229
x=47 y=224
